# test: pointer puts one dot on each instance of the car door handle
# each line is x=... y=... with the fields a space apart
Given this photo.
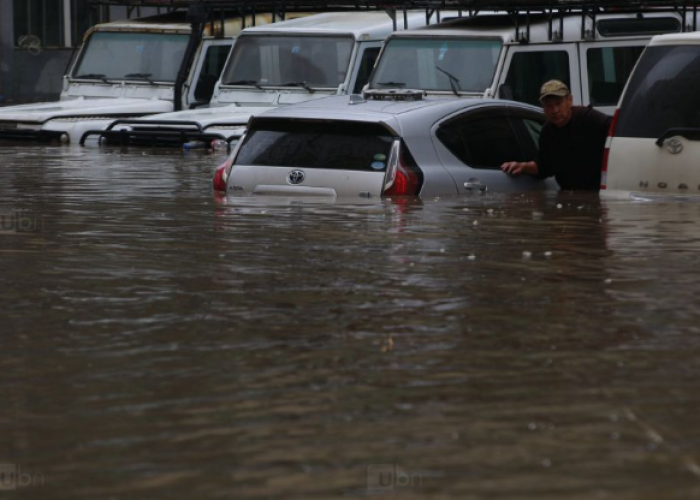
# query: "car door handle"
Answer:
x=475 y=186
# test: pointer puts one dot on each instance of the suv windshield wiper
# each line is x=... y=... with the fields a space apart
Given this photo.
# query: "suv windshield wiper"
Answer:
x=245 y=82
x=93 y=76
x=454 y=81
x=392 y=84
x=141 y=76
x=299 y=84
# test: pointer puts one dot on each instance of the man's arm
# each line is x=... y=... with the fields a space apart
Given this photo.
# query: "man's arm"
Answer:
x=520 y=167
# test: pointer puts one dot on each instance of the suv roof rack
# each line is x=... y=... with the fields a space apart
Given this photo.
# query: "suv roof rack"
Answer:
x=519 y=10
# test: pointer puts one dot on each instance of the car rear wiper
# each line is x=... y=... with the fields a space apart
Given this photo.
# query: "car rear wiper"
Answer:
x=93 y=76
x=245 y=82
x=141 y=76
x=392 y=84
x=454 y=81
x=299 y=84
x=690 y=133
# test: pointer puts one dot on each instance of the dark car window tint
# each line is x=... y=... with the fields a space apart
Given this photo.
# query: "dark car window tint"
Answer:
x=608 y=71
x=211 y=70
x=483 y=141
x=663 y=93
x=529 y=70
x=530 y=135
x=369 y=57
x=305 y=144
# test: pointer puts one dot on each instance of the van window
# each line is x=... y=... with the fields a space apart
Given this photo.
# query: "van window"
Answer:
x=317 y=61
x=314 y=144
x=608 y=71
x=638 y=26
x=437 y=64
x=483 y=140
x=662 y=93
x=369 y=57
x=211 y=69
x=529 y=70
x=155 y=56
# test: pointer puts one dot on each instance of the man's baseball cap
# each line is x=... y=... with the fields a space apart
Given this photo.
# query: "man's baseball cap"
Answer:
x=554 y=88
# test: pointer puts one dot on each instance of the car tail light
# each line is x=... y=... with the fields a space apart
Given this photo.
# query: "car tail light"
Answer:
x=221 y=175
x=404 y=178
x=606 y=151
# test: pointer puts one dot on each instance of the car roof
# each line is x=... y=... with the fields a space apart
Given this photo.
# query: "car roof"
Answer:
x=676 y=39
x=502 y=25
x=361 y=25
x=356 y=108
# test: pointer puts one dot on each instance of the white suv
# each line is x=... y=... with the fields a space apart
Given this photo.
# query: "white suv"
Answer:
x=654 y=144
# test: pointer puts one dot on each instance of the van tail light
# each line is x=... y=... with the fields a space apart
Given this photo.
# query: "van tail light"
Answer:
x=606 y=151
x=404 y=177
x=221 y=175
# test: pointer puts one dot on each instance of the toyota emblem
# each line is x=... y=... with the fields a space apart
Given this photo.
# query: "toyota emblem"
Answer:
x=674 y=146
x=296 y=177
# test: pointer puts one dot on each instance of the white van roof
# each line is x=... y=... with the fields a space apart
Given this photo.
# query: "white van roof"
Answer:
x=502 y=25
x=689 y=38
x=361 y=25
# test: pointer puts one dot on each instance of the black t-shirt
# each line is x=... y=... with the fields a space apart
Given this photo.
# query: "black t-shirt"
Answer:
x=573 y=154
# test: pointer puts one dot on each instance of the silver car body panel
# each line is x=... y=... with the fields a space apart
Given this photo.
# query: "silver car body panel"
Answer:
x=414 y=122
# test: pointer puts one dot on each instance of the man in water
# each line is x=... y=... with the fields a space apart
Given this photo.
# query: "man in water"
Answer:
x=571 y=143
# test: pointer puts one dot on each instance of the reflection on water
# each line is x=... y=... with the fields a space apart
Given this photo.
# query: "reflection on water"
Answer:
x=160 y=343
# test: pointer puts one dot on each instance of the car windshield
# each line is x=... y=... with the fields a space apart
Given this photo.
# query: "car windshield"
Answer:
x=662 y=93
x=289 y=61
x=453 y=65
x=315 y=144
x=138 y=56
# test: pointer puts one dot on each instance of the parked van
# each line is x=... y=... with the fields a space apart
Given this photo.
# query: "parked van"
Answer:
x=510 y=56
x=276 y=65
x=127 y=69
x=654 y=144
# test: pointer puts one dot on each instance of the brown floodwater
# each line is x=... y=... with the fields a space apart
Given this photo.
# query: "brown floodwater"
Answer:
x=156 y=342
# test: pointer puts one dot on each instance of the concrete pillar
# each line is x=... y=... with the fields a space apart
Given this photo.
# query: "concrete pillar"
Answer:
x=6 y=50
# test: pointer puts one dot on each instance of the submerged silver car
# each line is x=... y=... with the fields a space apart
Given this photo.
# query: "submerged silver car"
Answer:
x=385 y=143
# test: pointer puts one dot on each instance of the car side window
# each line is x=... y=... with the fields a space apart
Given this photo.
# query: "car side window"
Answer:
x=211 y=70
x=608 y=71
x=369 y=57
x=482 y=140
x=529 y=129
x=528 y=70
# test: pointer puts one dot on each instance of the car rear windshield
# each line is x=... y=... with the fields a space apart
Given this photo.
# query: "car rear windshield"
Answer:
x=437 y=64
x=267 y=60
x=663 y=92
x=137 y=56
x=326 y=145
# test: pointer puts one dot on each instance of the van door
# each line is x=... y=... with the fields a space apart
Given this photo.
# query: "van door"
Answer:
x=527 y=67
x=206 y=71
x=605 y=68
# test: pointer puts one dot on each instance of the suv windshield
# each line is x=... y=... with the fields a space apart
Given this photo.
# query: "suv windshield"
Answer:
x=138 y=56
x=452 y=65
x=309 y=144
x=662 y=93
x=312 y=61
